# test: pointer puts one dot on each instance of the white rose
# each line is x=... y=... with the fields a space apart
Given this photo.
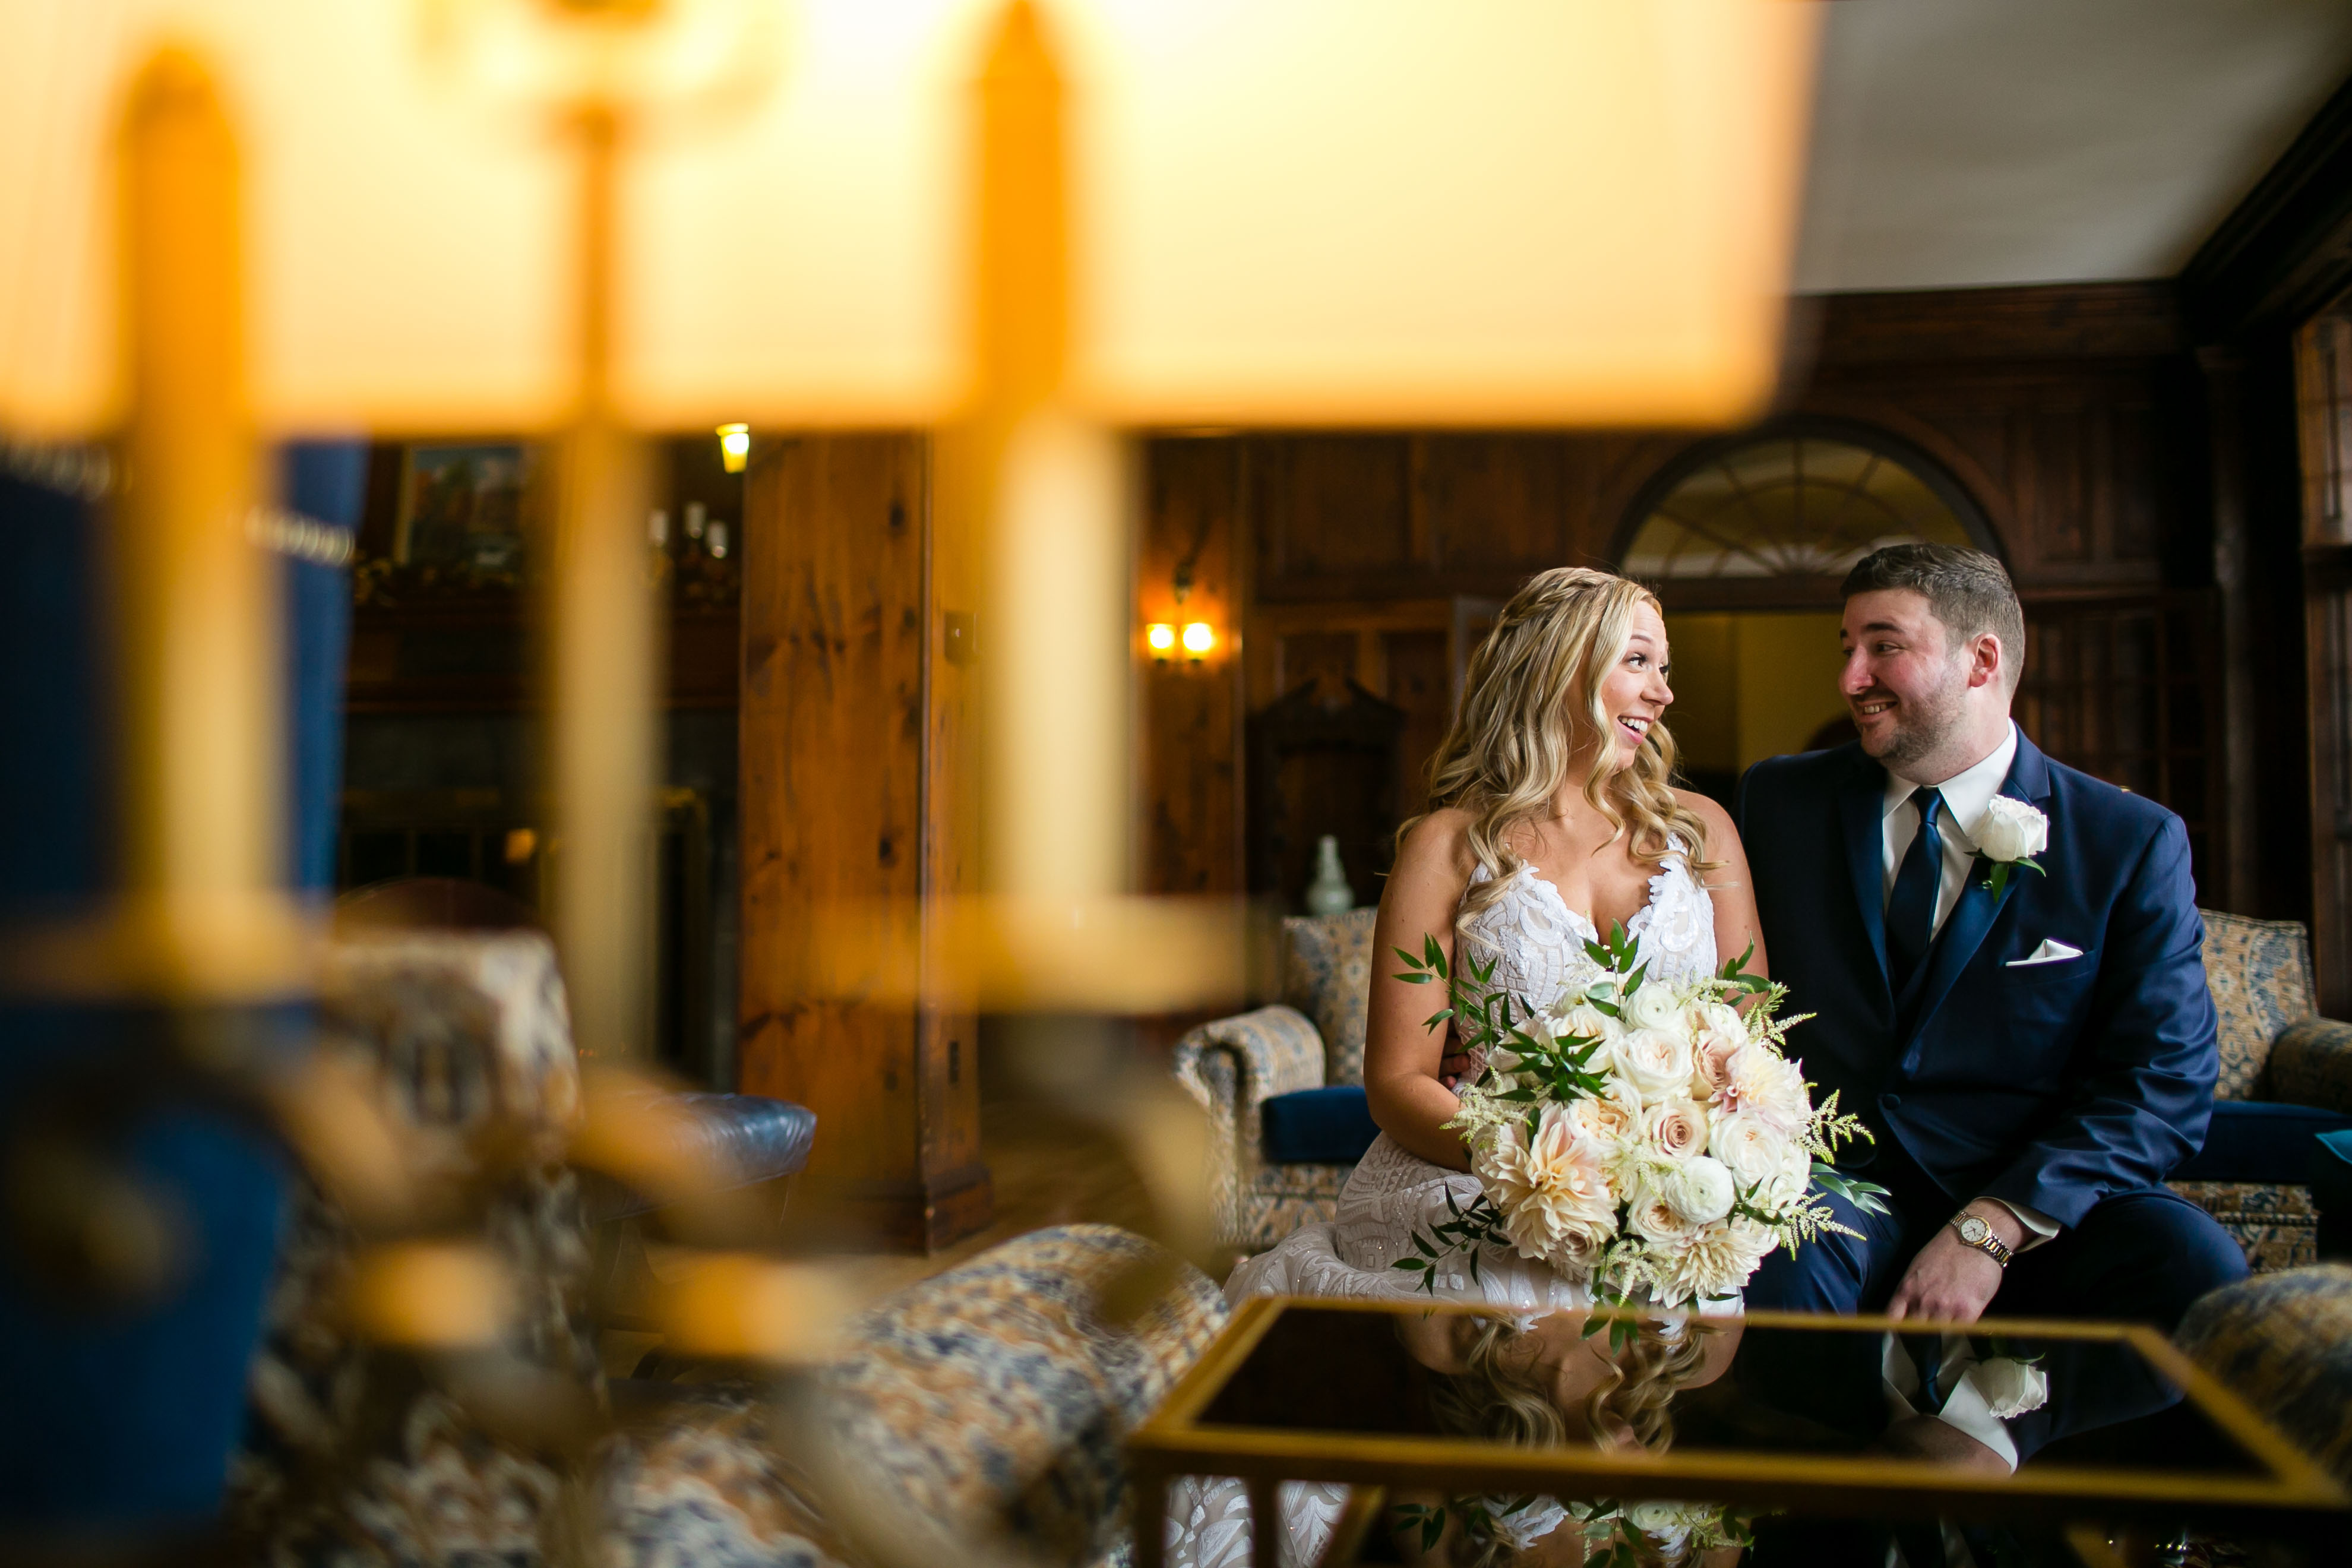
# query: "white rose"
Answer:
x=2011 y=830
x=1763 y=1081
x=2009 y=1387
x=1755 y=1151
x=1663 y=1523
x=1499 y=1060
x=1604 y=1118
x=1585 y=1021
x=1647 y=1517
x=1655 y=1218
x=1714 y=1018
x=1711 y=1054
x=1796 y=1175
x=1656 y=1064
x=1699 y=1188
x=1675 y=1128
x=1652 y=1007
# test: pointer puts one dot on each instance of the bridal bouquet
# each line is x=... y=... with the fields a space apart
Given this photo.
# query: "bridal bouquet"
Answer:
x=1653 y=1139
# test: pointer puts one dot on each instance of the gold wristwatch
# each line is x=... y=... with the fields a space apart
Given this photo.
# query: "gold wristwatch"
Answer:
x=1975 y=1232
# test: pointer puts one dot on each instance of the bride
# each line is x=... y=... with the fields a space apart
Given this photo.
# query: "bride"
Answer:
x=1553 y=820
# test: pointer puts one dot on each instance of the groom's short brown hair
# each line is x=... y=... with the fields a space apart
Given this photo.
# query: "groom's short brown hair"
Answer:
x=1969 y=591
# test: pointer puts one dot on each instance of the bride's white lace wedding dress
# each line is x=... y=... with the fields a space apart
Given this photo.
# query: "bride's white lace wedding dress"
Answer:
x=1537 y=945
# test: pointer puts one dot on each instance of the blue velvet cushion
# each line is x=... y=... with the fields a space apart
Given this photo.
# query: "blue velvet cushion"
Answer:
x=1332 y=1126
x=2259 y=1141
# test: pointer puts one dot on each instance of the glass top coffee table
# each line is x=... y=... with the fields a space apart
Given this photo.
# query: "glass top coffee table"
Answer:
x=1770 y=1414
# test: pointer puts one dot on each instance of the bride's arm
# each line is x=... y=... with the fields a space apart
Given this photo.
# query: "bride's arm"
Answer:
x=1729 y=887
x=1401 y=1053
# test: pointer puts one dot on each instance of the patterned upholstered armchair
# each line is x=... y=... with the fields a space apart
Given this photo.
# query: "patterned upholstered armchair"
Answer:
x=466 y=1038
x=2287 y=1076
x=1280 y=1147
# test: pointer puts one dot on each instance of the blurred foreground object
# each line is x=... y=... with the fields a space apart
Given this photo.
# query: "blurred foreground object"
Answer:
x=1286 y=212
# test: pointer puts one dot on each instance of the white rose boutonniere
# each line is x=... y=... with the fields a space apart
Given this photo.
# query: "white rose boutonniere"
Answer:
x=2010 y=1387
x=2010 y=834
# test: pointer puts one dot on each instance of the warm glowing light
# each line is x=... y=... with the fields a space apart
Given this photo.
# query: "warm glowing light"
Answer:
x=1199 y=638
x=1161 y=637
x=735 y=447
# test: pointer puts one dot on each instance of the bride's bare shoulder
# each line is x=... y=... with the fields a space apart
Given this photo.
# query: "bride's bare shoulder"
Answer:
x=1711 y=817
x=1437 y=846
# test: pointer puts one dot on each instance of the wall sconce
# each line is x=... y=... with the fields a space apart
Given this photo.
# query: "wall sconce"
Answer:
x=1162 y=637
x=1199 y=638
x=735 y=447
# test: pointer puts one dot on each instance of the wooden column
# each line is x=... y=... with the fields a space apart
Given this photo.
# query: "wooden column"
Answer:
x=859 y=784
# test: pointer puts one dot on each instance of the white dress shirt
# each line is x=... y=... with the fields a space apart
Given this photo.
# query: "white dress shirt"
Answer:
x=1965 y=796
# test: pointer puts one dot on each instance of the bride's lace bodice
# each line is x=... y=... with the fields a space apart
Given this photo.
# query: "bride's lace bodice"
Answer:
x=1537 y=942
x=1537 y=945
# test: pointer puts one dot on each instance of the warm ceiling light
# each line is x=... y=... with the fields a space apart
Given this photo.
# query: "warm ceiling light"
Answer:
x=1161 y=637
x=734 y=446
x=1199 y=638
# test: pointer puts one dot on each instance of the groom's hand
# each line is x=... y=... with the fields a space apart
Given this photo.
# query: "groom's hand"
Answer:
x=1952 y=1280
x=1452 y=1069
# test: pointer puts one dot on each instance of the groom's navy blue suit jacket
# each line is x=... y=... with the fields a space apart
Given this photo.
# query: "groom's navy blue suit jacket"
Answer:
x=2052 y=1085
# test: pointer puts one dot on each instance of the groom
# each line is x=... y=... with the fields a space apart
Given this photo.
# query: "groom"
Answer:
x=2032 y=1048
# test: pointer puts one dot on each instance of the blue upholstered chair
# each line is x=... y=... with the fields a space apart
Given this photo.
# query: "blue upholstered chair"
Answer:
x=2286 y=1077
x=1283 y=1086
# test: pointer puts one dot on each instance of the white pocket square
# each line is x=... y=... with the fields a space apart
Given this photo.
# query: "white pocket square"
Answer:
x=2048 y=953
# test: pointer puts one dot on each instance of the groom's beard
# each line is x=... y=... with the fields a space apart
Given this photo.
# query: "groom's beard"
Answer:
x=1921 y=724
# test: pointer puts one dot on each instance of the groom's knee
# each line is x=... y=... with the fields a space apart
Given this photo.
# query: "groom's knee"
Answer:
x=2146 y=1256
x=1828 y=1274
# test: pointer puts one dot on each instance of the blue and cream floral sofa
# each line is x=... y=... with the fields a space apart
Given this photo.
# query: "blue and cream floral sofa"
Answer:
x=1282 y=1088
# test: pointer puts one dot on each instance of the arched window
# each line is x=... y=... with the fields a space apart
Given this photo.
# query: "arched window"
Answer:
x=1803 y=503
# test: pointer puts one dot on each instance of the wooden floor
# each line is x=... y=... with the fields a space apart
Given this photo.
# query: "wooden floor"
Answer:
x=1047 y=1169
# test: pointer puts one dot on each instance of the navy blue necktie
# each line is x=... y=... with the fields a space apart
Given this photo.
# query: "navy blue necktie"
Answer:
x=1911 y=911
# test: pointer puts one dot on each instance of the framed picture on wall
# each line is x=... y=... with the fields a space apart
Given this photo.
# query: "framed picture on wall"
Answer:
x=463 y=505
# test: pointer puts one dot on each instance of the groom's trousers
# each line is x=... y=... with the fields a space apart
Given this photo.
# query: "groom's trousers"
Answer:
x=2138 y=1257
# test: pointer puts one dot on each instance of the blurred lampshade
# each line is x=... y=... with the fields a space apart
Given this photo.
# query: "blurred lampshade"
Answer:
x=1283 y=211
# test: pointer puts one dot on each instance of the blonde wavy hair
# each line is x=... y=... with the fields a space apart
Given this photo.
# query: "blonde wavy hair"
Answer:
x=1531 y=706
x=1502 y=1396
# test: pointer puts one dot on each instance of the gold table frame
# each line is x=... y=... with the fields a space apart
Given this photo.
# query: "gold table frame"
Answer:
x=1175 y=1442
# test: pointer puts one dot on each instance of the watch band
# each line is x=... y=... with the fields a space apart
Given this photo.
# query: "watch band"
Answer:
x=1974 y=1231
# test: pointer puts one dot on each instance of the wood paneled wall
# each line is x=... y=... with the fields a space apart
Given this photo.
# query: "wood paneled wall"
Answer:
x=2072 y=417
x=858 y=783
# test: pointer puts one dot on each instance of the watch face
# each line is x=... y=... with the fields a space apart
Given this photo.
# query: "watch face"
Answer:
x=1973 y=1231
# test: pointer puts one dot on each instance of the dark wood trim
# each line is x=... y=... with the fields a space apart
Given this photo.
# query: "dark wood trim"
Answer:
x=2286 y=249
x=2053 y=321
